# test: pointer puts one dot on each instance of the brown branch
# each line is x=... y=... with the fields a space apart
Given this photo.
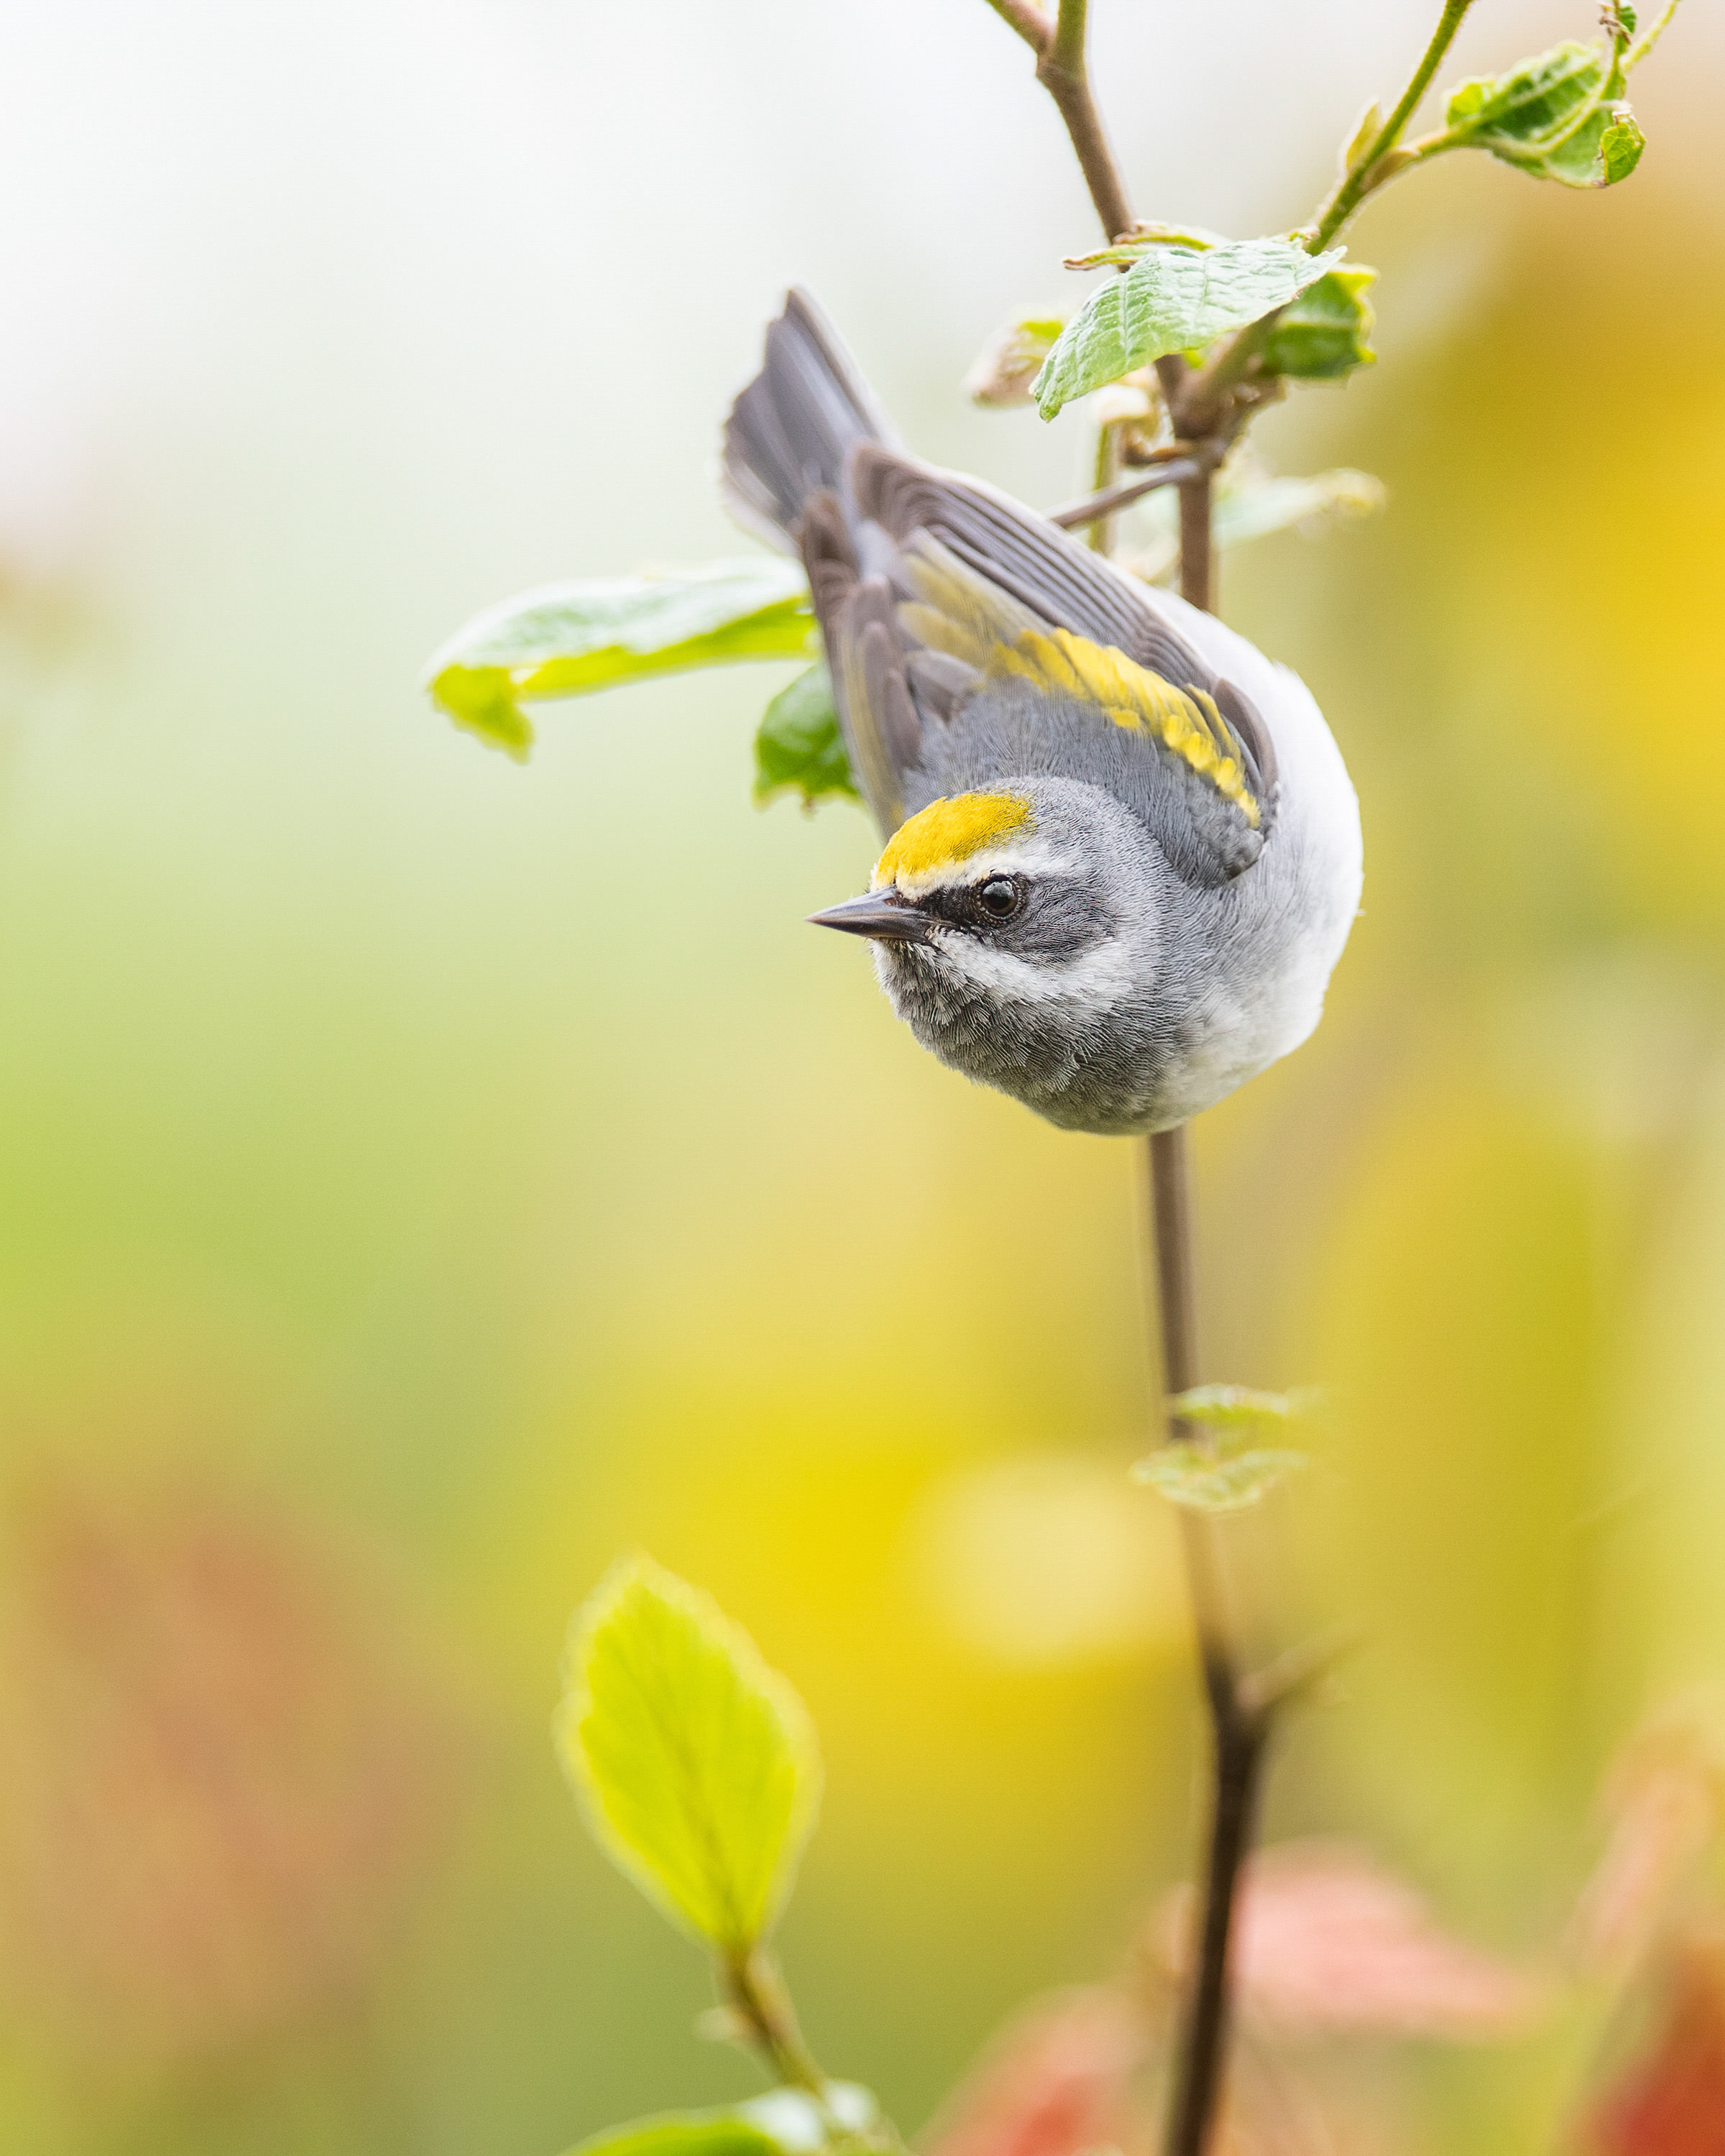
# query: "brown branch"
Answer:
x=754 y=1992
x=1032 y=25
x=1239 y=1747
x=1061 y=69
x=1239 y=1735
x=1197 y=565
x=1089 y=509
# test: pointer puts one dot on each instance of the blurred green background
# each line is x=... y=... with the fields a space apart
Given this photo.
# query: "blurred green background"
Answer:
x=421 y=1177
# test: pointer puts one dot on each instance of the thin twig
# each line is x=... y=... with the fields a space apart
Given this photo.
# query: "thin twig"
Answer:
x=1032 y=25
x=1238 y=1736
x=1206 y=398
x=1061 y=70
x=1357 y=182
x=1198 y=562
x=1296 y=1670
x=1073 y=516
x=1198 y=2085
x=1064 y=72
x=756 y=1995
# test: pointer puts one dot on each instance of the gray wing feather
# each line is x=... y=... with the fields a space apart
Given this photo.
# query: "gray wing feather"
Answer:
x=811 y=462
x=791 y=430
x=1066 y=585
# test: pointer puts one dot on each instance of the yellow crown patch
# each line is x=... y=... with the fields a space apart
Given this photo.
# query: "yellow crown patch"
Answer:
x=949 y=831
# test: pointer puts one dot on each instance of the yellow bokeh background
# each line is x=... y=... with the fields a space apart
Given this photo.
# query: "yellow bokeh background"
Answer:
x=422 y=1177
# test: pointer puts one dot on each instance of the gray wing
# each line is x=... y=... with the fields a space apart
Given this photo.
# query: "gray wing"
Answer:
x=791 y=431
x=970 y=640
x=788 y=444
x=917 y=577
x=1058 y=582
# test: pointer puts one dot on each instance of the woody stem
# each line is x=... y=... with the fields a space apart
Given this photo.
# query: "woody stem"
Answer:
x=1237 y=1732
x=1064 y=71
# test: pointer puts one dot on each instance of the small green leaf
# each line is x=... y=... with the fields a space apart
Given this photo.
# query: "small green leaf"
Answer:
x=696 y=1764
x=1143 y=240
x=799 y=746
x=1323 y=333
x=1273 y=504
x=683 y=2133
x=1620 y=147
x=1249 y=503
x=1366 y=130
x=1173 y=299
x=1232 y=1407
x=569 y=639
x=1559 y=116
x=1007 y=363
x=1201 y=1478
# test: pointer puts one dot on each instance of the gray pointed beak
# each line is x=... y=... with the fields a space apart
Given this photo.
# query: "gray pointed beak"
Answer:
x=881 y=914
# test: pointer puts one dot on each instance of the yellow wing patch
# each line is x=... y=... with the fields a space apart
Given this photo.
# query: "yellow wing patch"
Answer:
x=949 y=831
x=1183 y=720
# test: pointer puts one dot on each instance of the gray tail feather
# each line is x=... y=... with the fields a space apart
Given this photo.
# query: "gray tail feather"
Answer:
x=791 y=430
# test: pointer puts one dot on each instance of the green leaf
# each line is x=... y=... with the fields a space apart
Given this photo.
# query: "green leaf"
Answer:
x=1366 y=130
x=1143 y=240
x=1202 y=1479
x=1620 y=147
x=1250 y=504
x=1559 y=116
x=1323 y=333
x=1273 y=504
x=1007 y=363
x=785 y=2121
x=683 y=2133
x=696 y=1764
x=568 y=639
x=799 y=746
x=1232 y=1407
x=1173 y=299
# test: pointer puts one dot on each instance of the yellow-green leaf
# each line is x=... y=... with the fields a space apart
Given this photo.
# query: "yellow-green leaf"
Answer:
x=1174 y=298
x=799 y=746
x=569 y=639
x=1559 y=115
x=696 y=1764
x=683 y=2133
x=1007 y=365
x=1202 y=1479
x=785 y=2121
x=1324 y=332
x=1233 y=1407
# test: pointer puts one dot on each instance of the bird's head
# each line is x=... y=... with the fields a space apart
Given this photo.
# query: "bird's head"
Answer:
x=1018 y=931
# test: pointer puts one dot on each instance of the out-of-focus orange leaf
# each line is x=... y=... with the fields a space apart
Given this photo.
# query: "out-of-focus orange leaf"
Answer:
x=1328 y=1941
x=219 y=1783
x=1663 y=1799
x=1056 y=2082
x=1672 y=2103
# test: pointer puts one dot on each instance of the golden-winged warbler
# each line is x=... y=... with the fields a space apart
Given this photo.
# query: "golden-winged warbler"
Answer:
x=1122 y=852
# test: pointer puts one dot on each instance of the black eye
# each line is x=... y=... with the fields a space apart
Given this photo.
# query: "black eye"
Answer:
x=999 y=897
